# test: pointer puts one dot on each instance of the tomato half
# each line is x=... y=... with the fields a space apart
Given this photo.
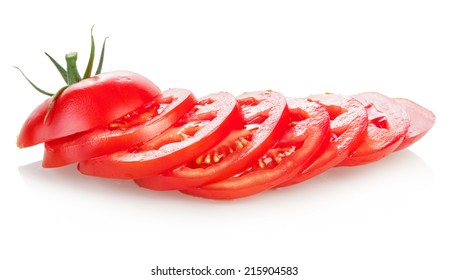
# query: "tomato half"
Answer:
x=134 y=128
x=388 y=124
x=421 y=121
x=265 y=115
x=88 y=104
x=348 y=127
x=210 y=120
x=303 y=141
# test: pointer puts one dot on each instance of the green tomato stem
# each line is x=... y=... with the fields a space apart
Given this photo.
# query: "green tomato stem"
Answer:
x=70 y=75
x=73 y=76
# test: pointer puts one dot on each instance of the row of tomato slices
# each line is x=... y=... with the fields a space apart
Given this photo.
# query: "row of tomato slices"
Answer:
x=225 y=147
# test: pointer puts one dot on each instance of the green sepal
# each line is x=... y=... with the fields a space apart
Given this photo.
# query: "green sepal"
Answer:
x=90 y=63
x=53 y=100
x=61 y=69
x=100 y=63
x=33 y=85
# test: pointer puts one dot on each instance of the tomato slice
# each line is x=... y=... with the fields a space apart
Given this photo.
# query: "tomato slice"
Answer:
x=265 y=115
x=88 y=104
x=134 y=128
x=210 y=120
x=348 y=124
x=421 y=121
x=387 y=127
x=303 y=141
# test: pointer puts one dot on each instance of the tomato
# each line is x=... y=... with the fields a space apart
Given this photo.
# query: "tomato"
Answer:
x=387 y=127
x=421 y=121
x=348 y=125
x=136 y=127
x=303 y=141
x=210 y=120
x=265 y=115
x=87 y=104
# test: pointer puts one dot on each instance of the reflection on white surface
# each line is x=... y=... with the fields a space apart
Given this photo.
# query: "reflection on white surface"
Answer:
x=68 y=180
x=402 y=171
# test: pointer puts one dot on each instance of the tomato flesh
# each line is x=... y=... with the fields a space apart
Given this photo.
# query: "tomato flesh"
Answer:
x=210 y=120
x=134 y=128
x=348 y=125
x=305 y=138
x=265 y=115
x=388 y=123
x=421 y=121
x=88 y=104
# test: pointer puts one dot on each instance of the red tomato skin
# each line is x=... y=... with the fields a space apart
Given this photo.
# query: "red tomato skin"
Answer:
x=421 y=121
x=348 y=124
x=101 y=141
x=388 y=124
x=185 y=177
x=88 y=104
x=310 y=136
x=130 y=165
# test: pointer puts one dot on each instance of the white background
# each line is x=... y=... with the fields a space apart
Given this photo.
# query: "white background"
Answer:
x=387 y=220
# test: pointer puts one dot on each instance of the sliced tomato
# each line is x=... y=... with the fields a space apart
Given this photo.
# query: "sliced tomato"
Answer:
x=303 y=141
x=348 y=124
x=132 y=129
x=210 y=120
x=388 y=124
x=88 y=104
x=266 y=116
x=421 y=121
